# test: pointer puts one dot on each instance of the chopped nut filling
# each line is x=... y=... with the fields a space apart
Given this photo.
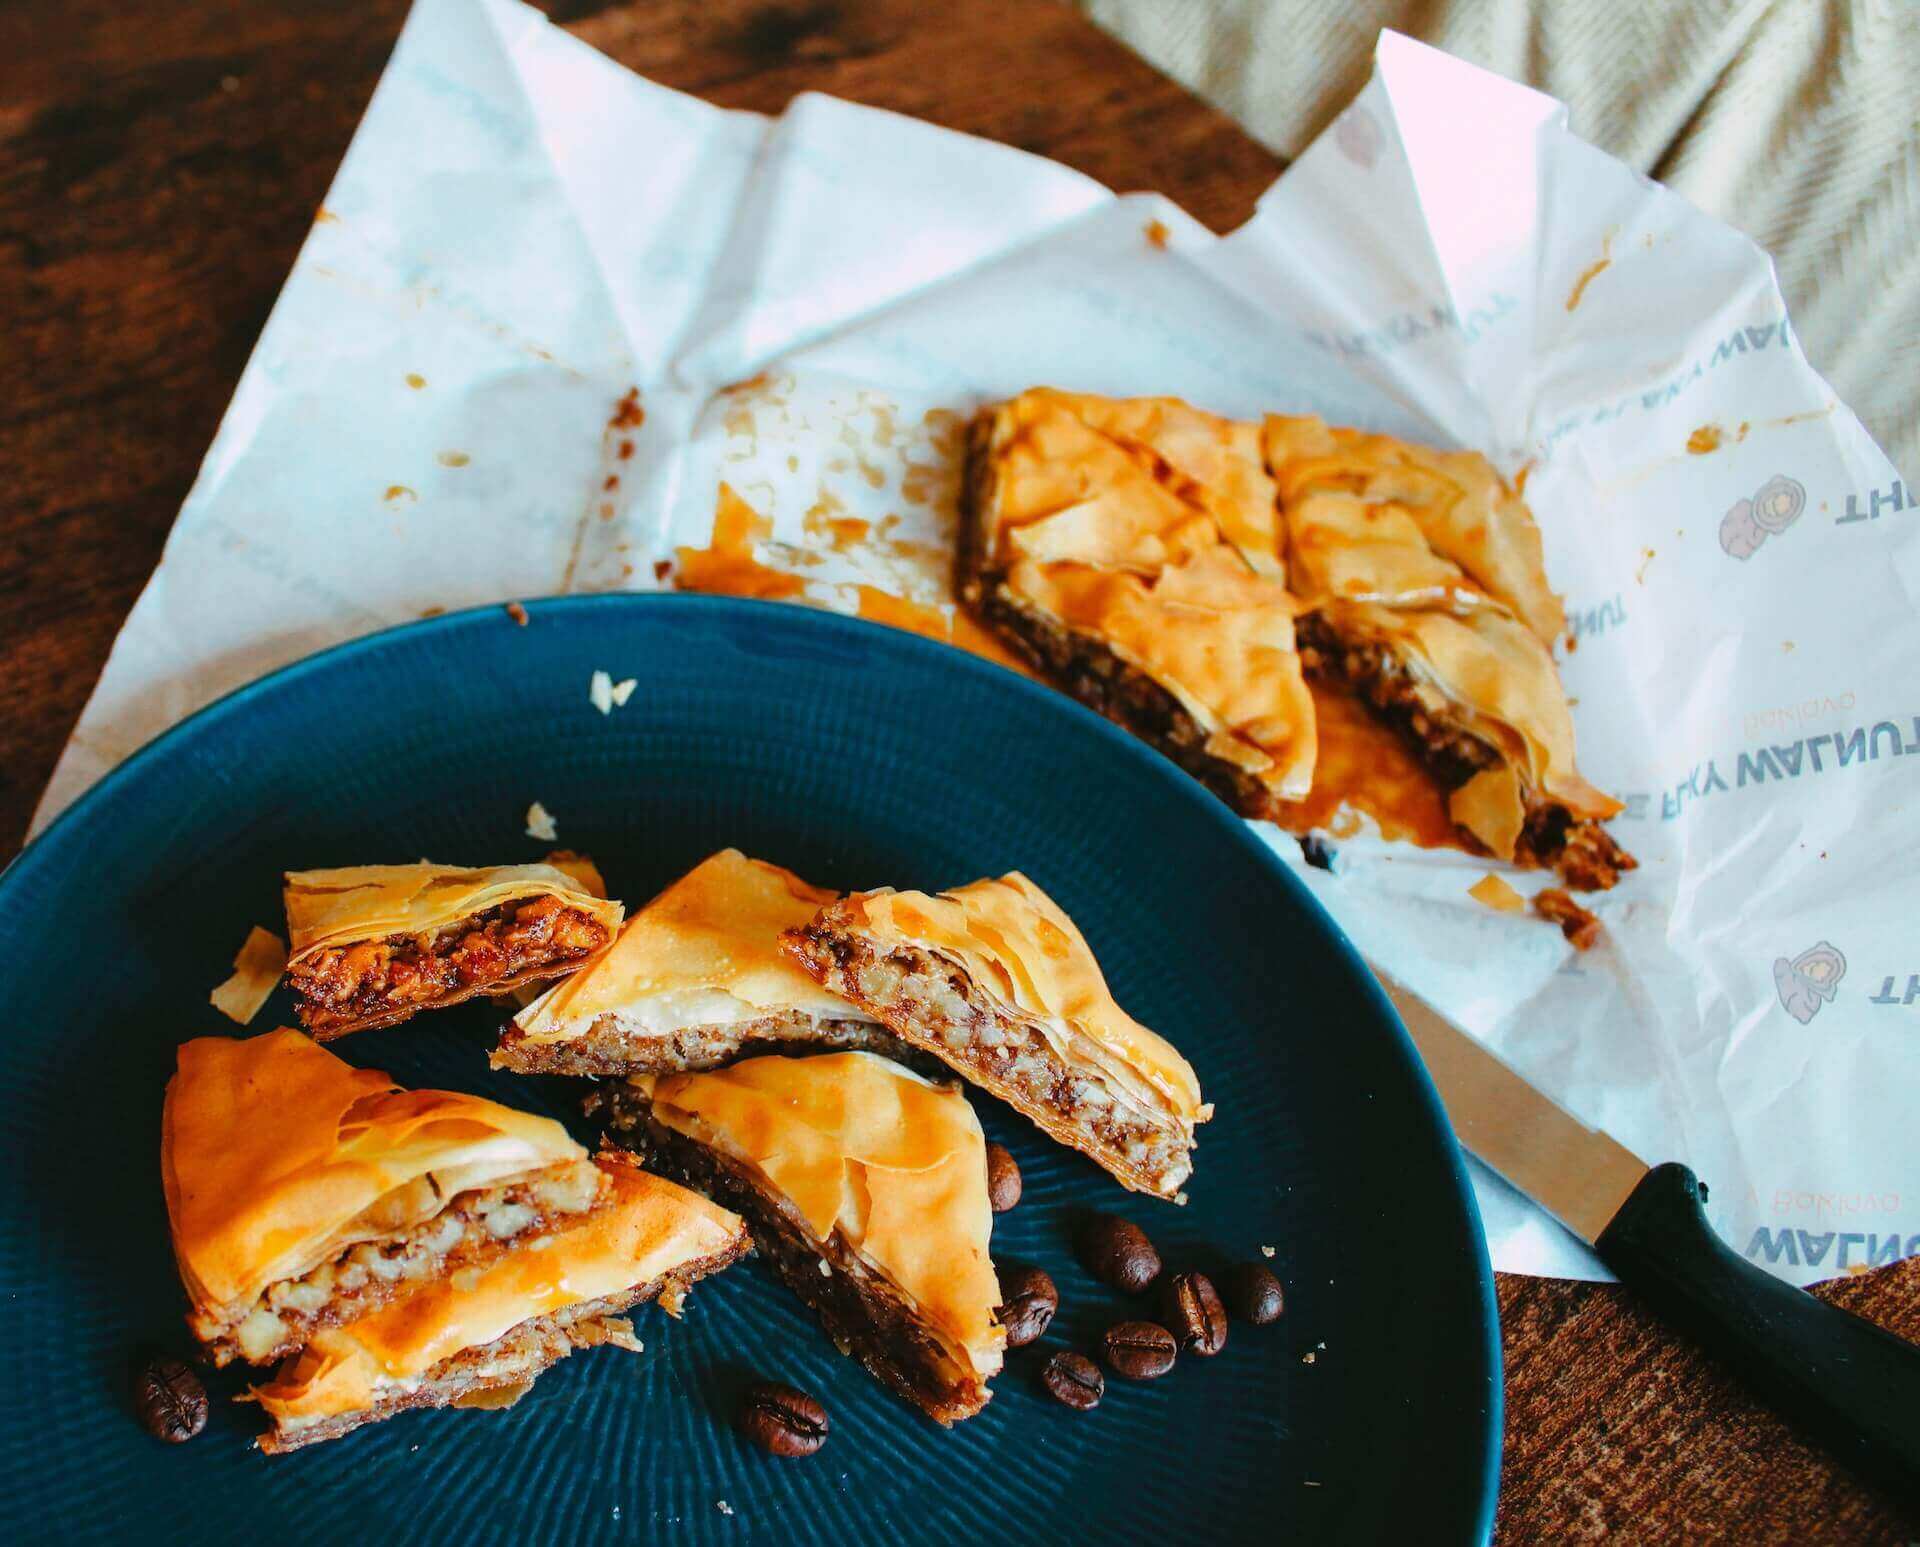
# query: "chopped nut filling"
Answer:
x=612 y=1046
x=930 y=1003
x=374 y=982
x=473 y=1229
x=1583 y=851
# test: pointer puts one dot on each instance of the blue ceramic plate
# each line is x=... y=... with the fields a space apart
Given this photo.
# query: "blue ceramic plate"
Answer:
x=858 y=756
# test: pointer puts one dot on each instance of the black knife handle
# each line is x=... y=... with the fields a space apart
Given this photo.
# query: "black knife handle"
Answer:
x=1849 y=1386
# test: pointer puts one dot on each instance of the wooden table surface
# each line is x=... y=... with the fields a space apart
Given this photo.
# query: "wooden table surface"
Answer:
x=161 y=161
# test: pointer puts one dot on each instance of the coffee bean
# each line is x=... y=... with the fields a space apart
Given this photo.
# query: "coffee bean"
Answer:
x=1075 y=1380
x=168 y=1398
x=782 y=1420
x=1194 y=1315
x=1003 y=1178
x=1139 y=1350
x=1028 y=1300
x=1253 y=1293
x=1117 y=1252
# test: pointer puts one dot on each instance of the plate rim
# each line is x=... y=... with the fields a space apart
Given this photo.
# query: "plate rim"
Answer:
x=1232 y=826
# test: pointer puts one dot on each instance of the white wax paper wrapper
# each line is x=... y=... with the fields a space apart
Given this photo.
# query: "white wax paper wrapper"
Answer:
x=548 y=309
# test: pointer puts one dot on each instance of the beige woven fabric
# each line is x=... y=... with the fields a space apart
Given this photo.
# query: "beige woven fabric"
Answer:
x=1797 y=121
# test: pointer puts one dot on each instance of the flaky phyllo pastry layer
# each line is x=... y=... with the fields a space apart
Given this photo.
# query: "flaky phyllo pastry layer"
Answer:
x=996 y=981
x=1187 y=575
x=304 y=1193
x=373 y=944
x=867 y=1185
x=696 y=978
x=1147 y=528
x=481 y=1337
x=1423 y=589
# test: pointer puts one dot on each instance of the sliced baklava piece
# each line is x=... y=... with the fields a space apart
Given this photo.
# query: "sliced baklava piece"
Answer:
x=1423 y=592
x=696 y=979
x=373 y=944
x=997 y=982
x=304 y=1193
x=866 y=1187
x=479 y=1339
x=1128 y=548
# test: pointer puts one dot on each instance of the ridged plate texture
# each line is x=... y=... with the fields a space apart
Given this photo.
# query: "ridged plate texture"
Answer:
x=858 y=756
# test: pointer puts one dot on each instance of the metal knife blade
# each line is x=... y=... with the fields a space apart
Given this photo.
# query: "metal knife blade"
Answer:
x=1579 y=1175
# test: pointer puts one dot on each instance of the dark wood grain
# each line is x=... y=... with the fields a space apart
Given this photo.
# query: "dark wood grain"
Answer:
x=160 y=162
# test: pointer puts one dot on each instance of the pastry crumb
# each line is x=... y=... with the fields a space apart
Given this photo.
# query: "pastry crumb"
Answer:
x=1309 y=1357
x=1266 y=1251
x=1580 y=927
x=723 y=1506
x=518 y=613
x=1496 y=894
x=606 y=695
x=1157 y=234
x=256 y=973
x=540 y=823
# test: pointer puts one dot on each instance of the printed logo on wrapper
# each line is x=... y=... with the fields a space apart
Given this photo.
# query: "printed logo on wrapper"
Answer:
x=1775 y=506
x=1809 y=981
x=1358 y=136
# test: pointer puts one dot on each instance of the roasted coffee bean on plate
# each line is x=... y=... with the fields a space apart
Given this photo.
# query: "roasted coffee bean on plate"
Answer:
x=1075 y=1380
x=1139 y=1350
x=1253 y=1293
x=1028 y=1301
x=1191 y=1309
x=1116 y=1251
x=168 y=1398
x=1003 y=1178
x=782 y=1420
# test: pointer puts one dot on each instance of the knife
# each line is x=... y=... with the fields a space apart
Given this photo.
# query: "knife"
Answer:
x=1849 y=1386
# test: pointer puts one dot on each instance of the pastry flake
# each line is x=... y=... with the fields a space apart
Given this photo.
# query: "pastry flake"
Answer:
x=694 y=979
x=374 y=944
x=480 y=1338
x=996 y=981
x=1130 y=549
x=866 y=1185
x=257 y=971
x=303 y=1192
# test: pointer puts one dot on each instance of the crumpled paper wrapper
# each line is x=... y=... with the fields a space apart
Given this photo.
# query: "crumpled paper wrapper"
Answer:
x=513 y=358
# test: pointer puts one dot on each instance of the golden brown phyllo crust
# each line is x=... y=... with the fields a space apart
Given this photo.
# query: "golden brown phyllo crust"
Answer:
x=858 y=1309
x=374 y=944
x=866 y=1186
x=486 y=1332
x=1127 y=549
x=1424 y=592
x=1187 y=575
x=494 y=1375
x=695 y=980
x=472 y=1230
x=304 y=1193
x=995 y=980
